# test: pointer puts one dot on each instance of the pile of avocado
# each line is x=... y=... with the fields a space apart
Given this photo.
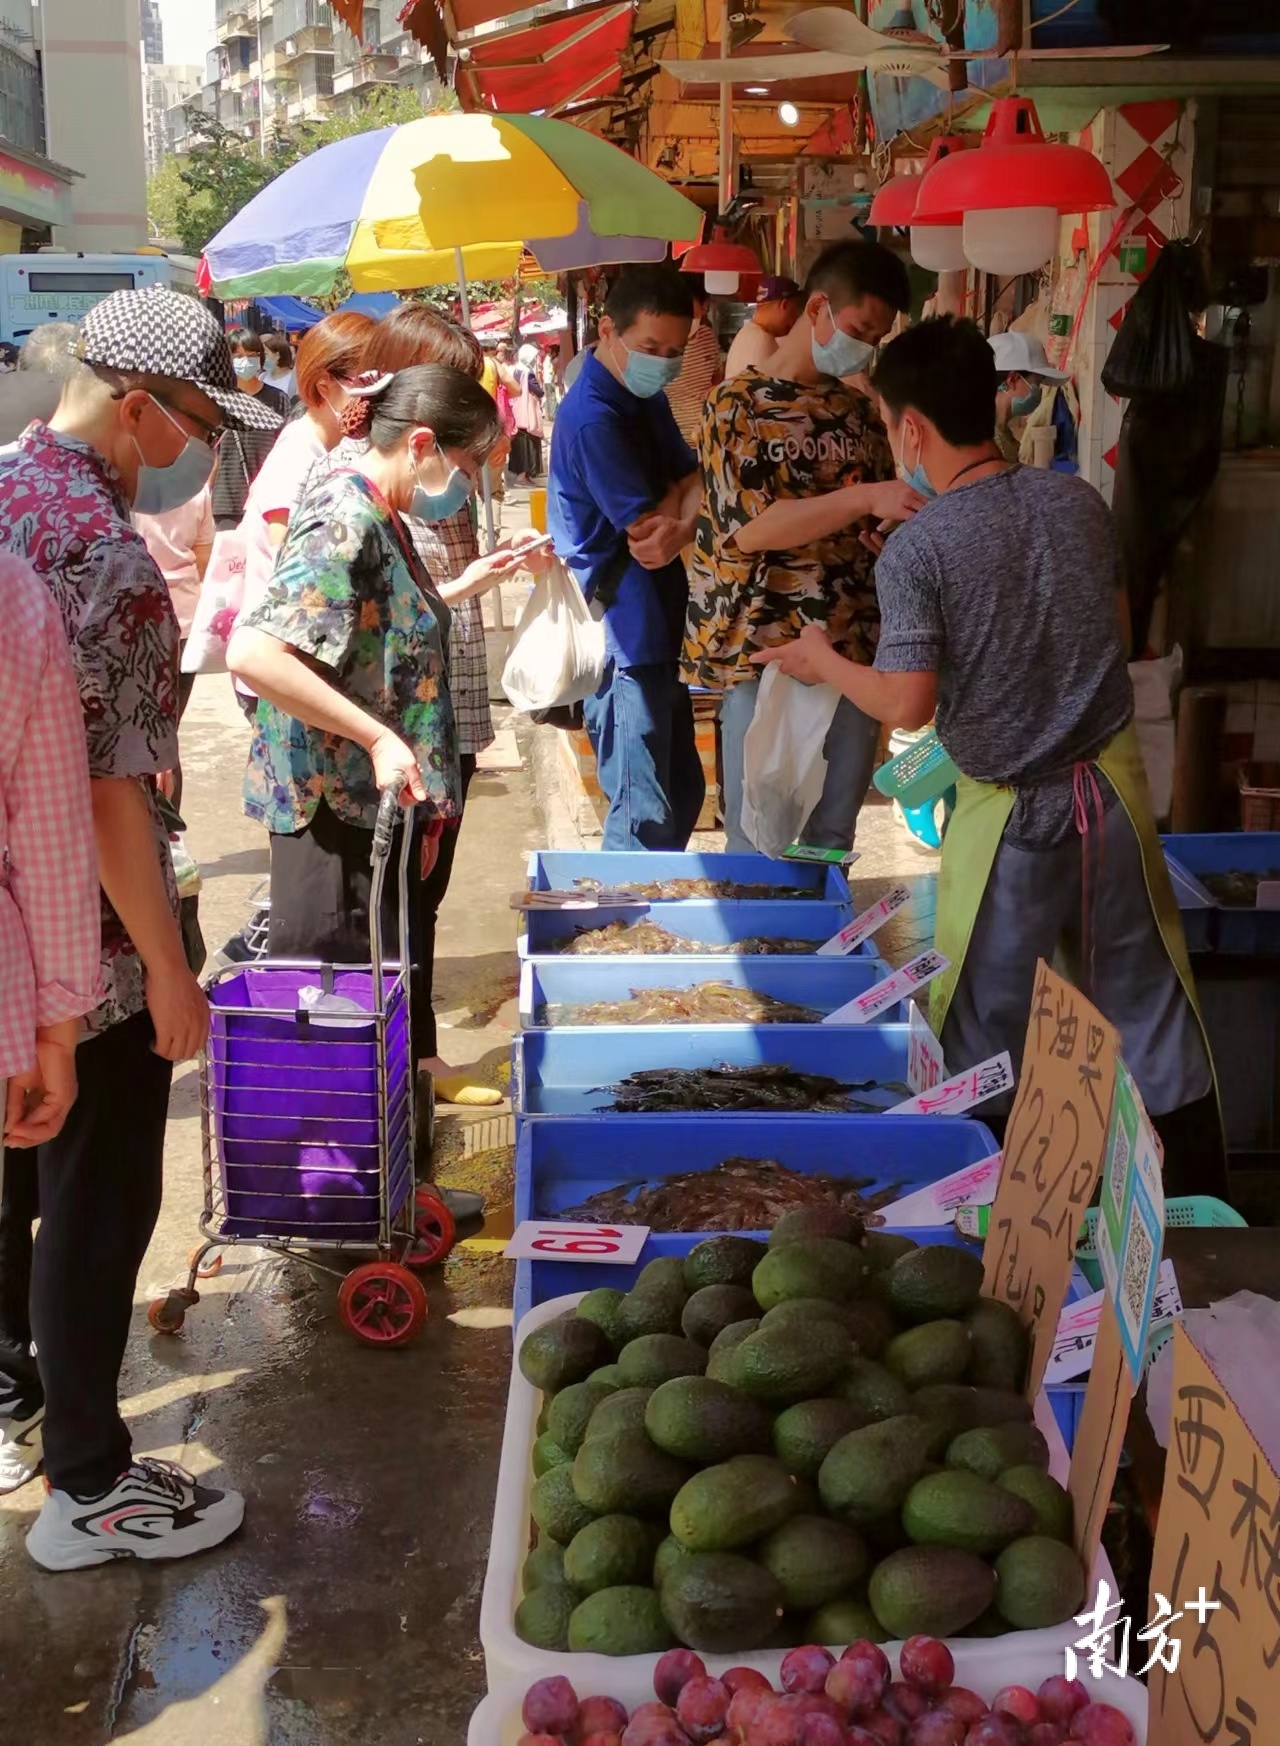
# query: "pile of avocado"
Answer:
x=809 y=1441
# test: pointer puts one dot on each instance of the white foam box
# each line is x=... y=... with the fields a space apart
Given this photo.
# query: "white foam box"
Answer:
x=497 y=1721
x=981 y=1663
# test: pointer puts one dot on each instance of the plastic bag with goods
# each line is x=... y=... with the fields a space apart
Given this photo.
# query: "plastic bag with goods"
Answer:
x=784 y=763
x=218 y=607
x=557 y=648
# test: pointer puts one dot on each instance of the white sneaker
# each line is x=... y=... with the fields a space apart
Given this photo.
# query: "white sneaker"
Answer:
x=20 y=1450
x=155 y=1510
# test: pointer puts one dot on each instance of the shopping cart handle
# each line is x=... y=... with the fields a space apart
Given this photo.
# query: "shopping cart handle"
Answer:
x=388 y=813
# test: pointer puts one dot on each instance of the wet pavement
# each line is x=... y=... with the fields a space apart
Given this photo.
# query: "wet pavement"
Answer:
x=346 y=1609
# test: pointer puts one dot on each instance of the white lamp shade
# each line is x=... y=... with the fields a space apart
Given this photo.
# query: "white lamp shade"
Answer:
x=720 y=284
x=1011 y=239
x=938 y=247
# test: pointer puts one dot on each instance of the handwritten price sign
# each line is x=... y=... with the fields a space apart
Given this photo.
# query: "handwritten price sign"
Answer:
x=541 y=1240
x=973 y=1186
x=1053 y=1152
x=925 y=1065
x=954 y=1096
x=889 y=992
x=863 y=926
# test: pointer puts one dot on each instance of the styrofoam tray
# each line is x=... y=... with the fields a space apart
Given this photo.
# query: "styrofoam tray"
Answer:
x=824 y=984
x=509 y=1659
x=497 y=1721
x=556 y=870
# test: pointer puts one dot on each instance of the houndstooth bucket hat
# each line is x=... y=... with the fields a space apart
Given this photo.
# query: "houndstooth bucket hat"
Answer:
x=159 y=332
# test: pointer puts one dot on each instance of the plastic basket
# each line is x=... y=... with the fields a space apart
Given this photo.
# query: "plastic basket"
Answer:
x=508 y=1658
x=1260 y=797
x=1230 y=927
x=1199 y=1210
x=716 y=922
x=918 y=775
x=557 y=869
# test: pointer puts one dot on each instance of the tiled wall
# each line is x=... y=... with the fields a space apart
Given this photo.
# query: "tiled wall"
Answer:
x=1133 y=141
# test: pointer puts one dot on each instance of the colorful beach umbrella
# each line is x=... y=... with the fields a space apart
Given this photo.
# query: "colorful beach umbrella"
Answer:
x=394 y=206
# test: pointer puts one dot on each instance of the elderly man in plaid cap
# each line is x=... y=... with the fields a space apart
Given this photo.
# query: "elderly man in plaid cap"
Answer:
x=137 y=429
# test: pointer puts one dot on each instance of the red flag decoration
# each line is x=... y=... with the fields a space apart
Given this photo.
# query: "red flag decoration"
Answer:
x=351 y=12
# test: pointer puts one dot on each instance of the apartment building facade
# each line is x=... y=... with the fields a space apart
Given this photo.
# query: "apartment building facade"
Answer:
x=166 y=93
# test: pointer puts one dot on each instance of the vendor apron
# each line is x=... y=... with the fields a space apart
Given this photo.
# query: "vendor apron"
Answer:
x=973 y=838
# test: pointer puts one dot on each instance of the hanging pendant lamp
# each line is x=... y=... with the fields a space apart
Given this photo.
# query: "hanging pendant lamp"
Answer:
x=1012 y=190
x=722 y=263
x=936 y=244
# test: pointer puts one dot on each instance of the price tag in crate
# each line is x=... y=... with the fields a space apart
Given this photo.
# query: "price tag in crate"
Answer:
x=925 y=1065
x=973 y=1186
x=544 y=1240
x=863 y=926
x=954 y=1096
x=889 y=992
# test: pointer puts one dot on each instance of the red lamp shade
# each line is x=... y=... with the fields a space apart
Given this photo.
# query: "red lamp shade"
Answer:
x=725 y=266
x=1015 y=166
x=897 y=201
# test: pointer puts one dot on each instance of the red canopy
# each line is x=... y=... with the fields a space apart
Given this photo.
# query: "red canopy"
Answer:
x=567 y=59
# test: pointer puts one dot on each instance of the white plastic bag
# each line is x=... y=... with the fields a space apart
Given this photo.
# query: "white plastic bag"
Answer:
x=1154 y=683
x=221 y=597
x=557 y=649
x=784 y=765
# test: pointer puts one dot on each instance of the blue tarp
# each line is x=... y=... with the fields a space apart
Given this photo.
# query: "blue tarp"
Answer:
x=374 y=303
x=290 y=312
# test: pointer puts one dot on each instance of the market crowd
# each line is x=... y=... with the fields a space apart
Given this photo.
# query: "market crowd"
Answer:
x=830 y=499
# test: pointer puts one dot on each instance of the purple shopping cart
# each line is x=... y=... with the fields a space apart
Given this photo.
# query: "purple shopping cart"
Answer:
x=307 y=1105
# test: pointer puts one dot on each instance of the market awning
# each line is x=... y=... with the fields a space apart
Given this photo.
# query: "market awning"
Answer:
x=374 y=303
x=291 y=312
x=543 y=67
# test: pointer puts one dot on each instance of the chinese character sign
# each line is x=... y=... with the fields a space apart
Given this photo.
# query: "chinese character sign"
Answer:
x=1218 y=1540
x=954 y=1096
x=1052 y=1156
x=925 y=1065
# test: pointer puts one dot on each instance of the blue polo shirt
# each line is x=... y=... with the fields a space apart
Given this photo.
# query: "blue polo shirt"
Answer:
x=613 y=458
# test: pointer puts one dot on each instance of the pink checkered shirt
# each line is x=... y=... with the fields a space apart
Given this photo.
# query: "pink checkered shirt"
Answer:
x=49 y=904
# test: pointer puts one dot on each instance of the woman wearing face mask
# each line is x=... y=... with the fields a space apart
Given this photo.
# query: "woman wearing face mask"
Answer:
x=1022 y=372
x=447 y=545
x=242 y=455
x=796 y=468
x=330 y=361
x=278 y=364
x=348 y=653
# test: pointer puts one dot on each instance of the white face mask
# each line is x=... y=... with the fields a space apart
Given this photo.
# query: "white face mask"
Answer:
x=160 y=489
x=246 y=368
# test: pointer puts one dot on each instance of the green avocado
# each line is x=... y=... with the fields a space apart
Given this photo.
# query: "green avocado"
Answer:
x=570 y=1413
x=722 y=1260
x=619 y=1621
x=653 y=1359
x=560 y=1352
x=1000 y=1343
x=810 y=1267
x=624 y=1475
x=787 y=1362
x=931 y=1353
x=601 y=1307
x=870 y=1471
x=720 y=1603
x=611 y=1552
x=991 y=1449
x=803 y=1222
x=623 y=1411
x=1041 y=1583
x=958 y=1508
x=805 y=1434
x=1050 y=1502
x=927 y=1285
x=732 y=1504
x=542 y=1618
x=699 y=1419
x=555 y=1506
x=930 y=1591
x=713 y=1308
x=814 y=1560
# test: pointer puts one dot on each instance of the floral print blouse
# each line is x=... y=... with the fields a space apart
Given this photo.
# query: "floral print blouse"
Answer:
x=349 y=593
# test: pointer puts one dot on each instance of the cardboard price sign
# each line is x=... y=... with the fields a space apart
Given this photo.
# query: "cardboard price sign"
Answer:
x=1053 y=1152
x=1217 y=1565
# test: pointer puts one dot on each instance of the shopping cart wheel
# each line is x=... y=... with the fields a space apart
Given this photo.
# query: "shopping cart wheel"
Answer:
x=202 y=1268
x=167 y=1314
x=382 y=1303
x=434 y=1233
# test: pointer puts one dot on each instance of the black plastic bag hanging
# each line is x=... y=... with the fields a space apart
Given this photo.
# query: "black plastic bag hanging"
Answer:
x=1155 y=351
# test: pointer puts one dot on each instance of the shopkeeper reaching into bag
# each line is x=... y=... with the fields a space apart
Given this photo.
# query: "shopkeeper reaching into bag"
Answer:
x=1001 y=610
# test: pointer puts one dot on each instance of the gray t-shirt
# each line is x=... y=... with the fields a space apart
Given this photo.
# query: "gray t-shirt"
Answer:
x=1006 y=589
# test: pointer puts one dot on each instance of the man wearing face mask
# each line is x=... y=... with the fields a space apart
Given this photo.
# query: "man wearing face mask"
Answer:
x=794 y=463
x=1002 y=611
x=135 y=430
x=622 y=502
x=1022 y=369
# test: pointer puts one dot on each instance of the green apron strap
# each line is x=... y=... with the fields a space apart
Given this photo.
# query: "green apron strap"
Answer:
x=969 y=851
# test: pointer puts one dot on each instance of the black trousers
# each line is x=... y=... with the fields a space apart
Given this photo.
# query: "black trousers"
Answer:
x=320 y=884
x=97 y=1191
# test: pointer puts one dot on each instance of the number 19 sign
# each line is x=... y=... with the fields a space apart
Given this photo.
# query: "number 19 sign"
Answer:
x=544 y=1240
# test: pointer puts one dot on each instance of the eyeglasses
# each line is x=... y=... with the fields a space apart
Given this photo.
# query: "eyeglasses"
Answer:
x=213 y=433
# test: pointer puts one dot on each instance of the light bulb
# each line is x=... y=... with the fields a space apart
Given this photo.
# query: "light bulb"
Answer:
x=788 y=114
x=1008 y=240
x=938 y=247
x=720 y=284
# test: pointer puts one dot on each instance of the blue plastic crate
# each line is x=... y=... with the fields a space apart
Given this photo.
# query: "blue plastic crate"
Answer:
x=556 y=870
x=560 y=1163
x=821 y=983
x=1232 y=927
x=716 y=921
x=563 y=1072
x=1195 y=905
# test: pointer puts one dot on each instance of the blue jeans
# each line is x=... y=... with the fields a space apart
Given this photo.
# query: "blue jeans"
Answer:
x=850 y=747
x=641 y=728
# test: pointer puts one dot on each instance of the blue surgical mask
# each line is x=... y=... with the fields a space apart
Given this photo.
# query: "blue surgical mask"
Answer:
x=916 y=477
x=160 y=489
x=246 y=368
x=1026 y=403
x=454 y=495
x=646 y=375
x=841 y=355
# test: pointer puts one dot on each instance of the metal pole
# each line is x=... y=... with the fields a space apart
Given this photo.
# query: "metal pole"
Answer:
x=491 y=534
x=262 y=90
x=726 y=119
